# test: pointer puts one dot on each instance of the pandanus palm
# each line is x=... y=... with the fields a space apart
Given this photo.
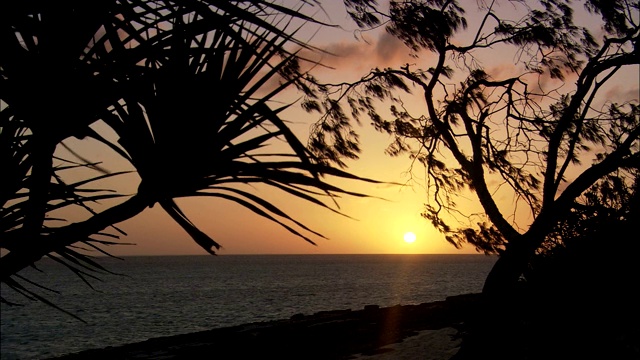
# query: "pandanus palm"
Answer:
x=200 y=121
x=185 y=89
x=50 y=92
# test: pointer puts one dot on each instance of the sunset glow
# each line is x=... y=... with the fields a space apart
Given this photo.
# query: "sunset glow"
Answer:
x=409 y=237
x=364 y=225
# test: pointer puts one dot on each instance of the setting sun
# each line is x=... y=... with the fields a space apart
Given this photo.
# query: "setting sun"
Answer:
x=409 y=237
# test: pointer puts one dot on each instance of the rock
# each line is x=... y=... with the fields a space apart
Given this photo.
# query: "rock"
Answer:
x=326 y=335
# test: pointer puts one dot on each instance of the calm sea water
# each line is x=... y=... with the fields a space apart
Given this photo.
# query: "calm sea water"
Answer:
x=170 y=295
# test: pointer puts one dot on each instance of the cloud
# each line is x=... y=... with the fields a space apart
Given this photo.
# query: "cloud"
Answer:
x=390 y=50
x=355 y=58
x=622 y=93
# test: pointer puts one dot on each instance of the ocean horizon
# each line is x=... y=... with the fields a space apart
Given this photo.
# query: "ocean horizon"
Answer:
x=165 y=295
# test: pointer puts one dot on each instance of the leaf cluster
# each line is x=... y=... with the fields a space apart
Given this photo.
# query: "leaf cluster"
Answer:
x=542 y=132
x=187 y=92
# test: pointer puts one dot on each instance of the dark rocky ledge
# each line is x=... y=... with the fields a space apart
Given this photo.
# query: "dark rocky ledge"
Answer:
x=325 y=335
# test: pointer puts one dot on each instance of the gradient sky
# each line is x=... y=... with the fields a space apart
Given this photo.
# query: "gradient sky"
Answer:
x=376 y=225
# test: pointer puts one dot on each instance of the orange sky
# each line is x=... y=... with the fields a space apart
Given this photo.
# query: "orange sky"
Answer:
x=377 y=226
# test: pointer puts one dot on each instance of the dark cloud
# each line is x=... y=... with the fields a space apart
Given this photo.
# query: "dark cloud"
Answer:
x=390 y=50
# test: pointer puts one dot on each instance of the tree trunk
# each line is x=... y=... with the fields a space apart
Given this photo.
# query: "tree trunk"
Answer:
x=39 y=185
x=494 y=331
x=505 y=274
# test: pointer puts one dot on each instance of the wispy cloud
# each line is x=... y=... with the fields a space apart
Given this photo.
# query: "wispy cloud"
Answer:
x=620 y=93
x=354 y=58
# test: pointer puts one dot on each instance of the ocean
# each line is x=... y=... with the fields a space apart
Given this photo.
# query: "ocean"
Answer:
x=170 y=295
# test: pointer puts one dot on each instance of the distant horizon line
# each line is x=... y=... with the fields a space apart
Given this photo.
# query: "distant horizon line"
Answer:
x=293 y=254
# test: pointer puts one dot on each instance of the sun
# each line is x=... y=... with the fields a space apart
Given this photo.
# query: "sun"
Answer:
x=409 y=237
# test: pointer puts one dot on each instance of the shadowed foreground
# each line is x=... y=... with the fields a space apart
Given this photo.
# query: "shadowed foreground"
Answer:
x=340 y=334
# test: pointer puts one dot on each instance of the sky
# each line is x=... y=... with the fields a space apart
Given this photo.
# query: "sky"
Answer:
x=373 y=225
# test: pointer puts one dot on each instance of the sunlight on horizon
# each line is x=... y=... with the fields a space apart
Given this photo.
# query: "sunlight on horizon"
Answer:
x=370 y=225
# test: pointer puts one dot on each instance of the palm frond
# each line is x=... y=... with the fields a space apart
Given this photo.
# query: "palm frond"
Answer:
x=186 y=87
x=202 y=239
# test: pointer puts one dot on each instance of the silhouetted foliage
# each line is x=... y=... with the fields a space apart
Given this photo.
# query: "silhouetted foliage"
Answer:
x=579 y=296
x=182 y=92
x=542 y=132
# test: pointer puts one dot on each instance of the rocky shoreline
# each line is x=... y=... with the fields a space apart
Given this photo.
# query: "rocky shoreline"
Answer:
x=338 y=335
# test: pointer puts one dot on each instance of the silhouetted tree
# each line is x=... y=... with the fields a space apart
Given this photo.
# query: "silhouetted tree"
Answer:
x=541 y=132
x=589 y=260
x=545 y=133
x=183 y=91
